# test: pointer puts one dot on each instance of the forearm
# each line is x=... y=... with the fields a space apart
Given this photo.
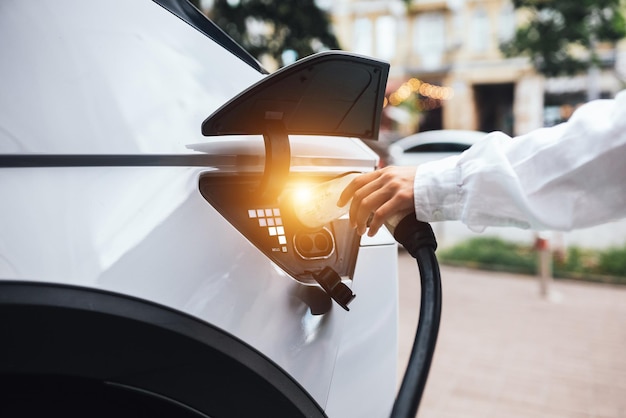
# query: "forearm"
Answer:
x=561 y=178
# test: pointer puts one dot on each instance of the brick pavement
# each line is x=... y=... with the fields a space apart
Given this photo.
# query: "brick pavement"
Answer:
x=504 y=351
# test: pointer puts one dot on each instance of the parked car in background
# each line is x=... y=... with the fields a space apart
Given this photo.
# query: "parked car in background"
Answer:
x=431 y=145
x=150 y=263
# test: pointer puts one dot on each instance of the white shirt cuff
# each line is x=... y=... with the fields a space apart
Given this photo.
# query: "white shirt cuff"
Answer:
x=437 y=190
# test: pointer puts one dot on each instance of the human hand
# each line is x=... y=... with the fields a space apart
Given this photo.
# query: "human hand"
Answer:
x=379 y=196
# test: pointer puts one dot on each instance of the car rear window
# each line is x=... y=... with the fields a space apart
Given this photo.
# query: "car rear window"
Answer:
x=438 y=147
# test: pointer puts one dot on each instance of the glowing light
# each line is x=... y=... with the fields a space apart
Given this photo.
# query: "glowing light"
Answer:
x=426 y=89
x=448 y=93
x=394 y=99
x=302 y=193
x=414 y=83
x=426 y=96
x=404 y=92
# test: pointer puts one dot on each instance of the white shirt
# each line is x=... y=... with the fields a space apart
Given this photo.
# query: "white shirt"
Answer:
x=569 y=176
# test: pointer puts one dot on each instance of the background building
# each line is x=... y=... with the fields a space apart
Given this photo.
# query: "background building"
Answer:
x=447 y=70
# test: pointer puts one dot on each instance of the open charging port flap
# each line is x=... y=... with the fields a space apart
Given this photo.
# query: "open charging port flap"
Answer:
x=333 y=93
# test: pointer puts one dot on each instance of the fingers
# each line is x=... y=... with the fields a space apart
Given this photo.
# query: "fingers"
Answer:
x=379 y=217
x=355 y=185
x=377 y=196
x=366 y=204
x=388 y=200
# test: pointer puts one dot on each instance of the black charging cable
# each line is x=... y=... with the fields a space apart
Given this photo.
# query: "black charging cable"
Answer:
x=418 y=239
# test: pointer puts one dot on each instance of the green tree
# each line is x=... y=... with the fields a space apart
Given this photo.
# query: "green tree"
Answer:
x=295 y=28
x=561 y=35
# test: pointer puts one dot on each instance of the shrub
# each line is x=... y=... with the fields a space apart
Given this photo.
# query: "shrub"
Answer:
x=491 y=253
x=496 y=254
x=576 y=261
x=613 y=262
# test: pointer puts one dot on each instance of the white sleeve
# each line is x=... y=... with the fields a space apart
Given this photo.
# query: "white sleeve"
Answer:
x=569 y=176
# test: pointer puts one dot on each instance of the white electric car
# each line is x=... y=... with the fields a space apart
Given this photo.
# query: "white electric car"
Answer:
x=150 y=261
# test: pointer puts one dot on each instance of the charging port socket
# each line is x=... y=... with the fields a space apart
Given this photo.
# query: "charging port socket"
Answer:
x=314 y=245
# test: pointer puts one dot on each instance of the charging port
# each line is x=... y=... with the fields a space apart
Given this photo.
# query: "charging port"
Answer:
x=314 y=245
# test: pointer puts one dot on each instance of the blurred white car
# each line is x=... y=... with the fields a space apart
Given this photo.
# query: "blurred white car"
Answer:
x=431 y=145
x=149 y=265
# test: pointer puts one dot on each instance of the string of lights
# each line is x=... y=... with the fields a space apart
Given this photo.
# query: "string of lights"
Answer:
x=423 y=95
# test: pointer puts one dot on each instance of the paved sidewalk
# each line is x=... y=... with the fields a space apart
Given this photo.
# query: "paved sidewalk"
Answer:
x=504 y=351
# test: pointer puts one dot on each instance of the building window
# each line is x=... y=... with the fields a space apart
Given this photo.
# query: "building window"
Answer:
x=429 y=39
x=479 y=33
x=385 y=37
x=362 y=36
x=507 y=22
x=458 y=32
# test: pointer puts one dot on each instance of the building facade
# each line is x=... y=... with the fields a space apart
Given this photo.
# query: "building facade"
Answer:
x=447 y=70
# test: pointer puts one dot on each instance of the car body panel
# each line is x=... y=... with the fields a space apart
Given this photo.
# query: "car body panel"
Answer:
x=101 y=153
x=122 y=72
x=130 y=233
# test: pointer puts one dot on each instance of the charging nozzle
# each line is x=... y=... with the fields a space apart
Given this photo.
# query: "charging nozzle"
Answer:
x=393 y=221
x=411 y=233
x=315 y=205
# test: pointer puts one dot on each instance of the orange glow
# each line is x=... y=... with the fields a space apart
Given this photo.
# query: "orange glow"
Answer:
x=302 y=193
x=432 y=96
x=414 y=83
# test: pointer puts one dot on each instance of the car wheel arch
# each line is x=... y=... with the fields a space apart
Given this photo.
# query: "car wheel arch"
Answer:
x=94 y=335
